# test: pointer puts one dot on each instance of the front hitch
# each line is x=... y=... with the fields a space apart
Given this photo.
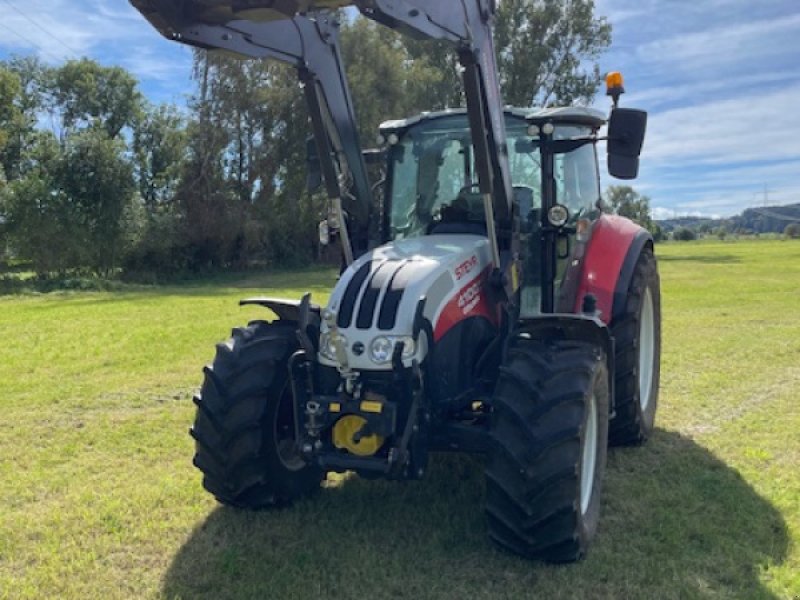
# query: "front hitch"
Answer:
x=362 y=431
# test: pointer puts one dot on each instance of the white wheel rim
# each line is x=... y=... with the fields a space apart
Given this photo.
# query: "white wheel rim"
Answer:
x=647 y=345
x=589 y=459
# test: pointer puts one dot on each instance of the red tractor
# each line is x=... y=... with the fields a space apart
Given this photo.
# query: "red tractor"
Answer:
x=493 y=309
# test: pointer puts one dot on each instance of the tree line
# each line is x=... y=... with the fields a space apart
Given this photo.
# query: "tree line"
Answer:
x=96 y=179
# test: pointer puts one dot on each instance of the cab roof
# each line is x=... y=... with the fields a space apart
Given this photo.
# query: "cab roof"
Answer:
x=575 y=115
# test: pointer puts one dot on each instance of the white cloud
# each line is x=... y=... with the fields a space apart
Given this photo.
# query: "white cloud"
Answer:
x=111 y=32
x=723 y=45
x=686 y=93
x=659 y=213
x=748 y=128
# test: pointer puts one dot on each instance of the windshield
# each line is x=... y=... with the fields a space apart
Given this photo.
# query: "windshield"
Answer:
x=434 y=184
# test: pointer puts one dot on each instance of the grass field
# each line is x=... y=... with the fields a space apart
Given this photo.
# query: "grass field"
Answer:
x=98 y=498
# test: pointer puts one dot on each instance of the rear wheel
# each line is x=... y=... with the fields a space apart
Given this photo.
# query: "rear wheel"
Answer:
x=244 y=428
x=637 y=334
x=548 y=453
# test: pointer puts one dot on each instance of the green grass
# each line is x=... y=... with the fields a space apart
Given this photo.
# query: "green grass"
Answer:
x=98 y=498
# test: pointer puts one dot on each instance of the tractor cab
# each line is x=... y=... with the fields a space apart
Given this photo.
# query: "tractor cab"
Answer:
x=432 y=186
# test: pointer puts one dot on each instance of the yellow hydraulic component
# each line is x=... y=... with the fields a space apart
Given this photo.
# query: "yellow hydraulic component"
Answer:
x=371 y=406
x=344 y=433
x=514 y=276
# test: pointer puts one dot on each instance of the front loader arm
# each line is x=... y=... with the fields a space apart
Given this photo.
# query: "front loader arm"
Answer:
x=309 y=43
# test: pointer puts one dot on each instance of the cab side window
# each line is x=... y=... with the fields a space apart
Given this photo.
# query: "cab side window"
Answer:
x=577 y=180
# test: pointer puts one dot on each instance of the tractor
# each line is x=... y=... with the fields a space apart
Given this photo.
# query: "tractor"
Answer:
x=489 y=306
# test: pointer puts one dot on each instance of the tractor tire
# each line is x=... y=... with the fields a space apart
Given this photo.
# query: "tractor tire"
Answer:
x=549 y=442
x=244 y=428
x=637 y=334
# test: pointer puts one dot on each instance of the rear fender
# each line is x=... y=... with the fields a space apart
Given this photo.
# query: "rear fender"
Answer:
x=611 y=256
x=577 y=328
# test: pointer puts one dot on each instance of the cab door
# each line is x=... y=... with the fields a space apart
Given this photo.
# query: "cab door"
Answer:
x=578 y=188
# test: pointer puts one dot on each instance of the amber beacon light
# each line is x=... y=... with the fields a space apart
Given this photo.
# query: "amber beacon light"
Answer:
x=615 y=86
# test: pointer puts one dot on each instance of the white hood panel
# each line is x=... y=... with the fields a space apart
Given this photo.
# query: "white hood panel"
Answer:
x=378 y=294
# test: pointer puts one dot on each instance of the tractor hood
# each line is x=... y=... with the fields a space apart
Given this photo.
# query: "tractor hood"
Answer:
x=377 y=296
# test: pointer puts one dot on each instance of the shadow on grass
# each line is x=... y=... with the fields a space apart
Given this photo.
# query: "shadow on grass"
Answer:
x=709 y=259
x=676 y=523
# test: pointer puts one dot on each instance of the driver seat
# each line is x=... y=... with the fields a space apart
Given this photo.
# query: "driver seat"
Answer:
x=462 y=215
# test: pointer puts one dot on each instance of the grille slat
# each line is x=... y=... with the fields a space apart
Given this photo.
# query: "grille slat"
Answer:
x=351 y=295
x=366 y=312
x=391 y=300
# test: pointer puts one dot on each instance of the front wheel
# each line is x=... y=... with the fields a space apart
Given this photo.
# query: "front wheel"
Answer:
x=244 y=428
x=547 y=458
x=637 y=334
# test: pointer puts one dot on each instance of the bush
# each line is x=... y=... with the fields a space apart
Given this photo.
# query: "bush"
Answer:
x=792 y=231
x=684 y=234
x=158 y=252
x=42 y=226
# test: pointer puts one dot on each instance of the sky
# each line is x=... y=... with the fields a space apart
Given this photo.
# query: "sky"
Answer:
x=720 y=80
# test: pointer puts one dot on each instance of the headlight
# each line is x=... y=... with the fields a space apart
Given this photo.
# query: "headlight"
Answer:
x=558 y=215
x=382 y=348
x=326 y=346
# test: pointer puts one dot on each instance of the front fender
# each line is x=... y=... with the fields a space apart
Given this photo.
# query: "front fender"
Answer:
x=610 y=259
x=287 y=310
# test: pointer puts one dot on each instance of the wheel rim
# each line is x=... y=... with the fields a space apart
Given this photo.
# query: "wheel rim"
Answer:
x=647 y=343
x=285 y=442
x=589 y=458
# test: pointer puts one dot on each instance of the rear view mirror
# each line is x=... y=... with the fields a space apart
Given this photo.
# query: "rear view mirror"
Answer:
x=626 y=130
x=313 y=167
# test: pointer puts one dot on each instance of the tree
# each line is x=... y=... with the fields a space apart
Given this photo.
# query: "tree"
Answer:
x=623 y=200
x=159 y=149
x=10 y=89
x=41 y=222
x=86 y=94
x=26 y=110
x=97 y=178
x=546 y=54
x=547 y=51
x=792 y=231
x=203 y=197
x=375 y=83
x=434 y=81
